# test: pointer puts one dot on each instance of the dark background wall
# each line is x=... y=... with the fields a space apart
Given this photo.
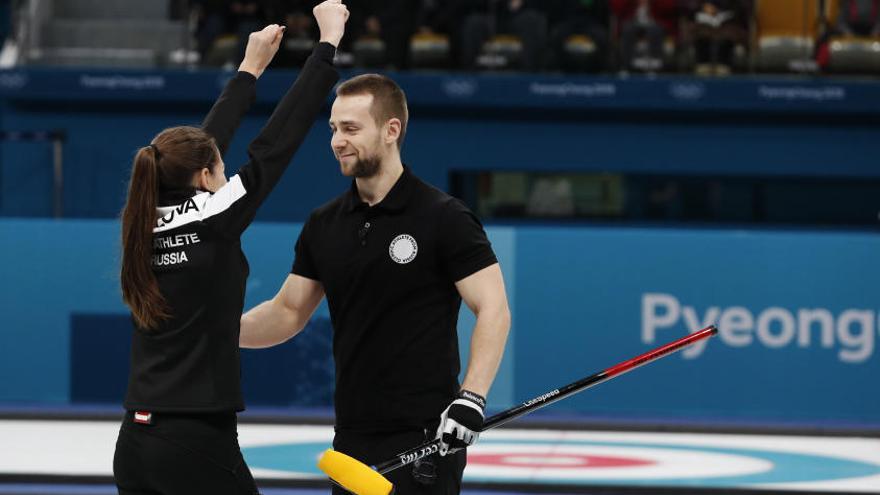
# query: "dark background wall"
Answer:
x=490 y=122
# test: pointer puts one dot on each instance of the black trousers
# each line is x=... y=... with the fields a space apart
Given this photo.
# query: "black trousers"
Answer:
x=373 y=448
x=181 y=454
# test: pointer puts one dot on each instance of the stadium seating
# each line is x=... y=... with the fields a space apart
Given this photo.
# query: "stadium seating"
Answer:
x=851 y=54
x=116 y=33
x=785 y=34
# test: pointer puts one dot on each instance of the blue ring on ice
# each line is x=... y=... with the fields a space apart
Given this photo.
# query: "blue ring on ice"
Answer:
x=788 y=467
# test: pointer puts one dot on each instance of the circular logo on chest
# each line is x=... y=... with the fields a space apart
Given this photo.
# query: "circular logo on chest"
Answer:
x=403 y=249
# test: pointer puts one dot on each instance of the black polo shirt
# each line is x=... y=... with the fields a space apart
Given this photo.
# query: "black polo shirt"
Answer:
x=389 y=274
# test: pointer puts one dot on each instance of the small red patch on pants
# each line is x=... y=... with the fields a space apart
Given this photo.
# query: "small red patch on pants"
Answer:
x=144 y=418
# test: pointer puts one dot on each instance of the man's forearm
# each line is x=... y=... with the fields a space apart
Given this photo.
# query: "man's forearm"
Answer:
x=487 y=349
x=267 y=325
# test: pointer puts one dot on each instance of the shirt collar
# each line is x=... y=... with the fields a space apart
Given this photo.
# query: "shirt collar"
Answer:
x=172 y=197
x=395 y=200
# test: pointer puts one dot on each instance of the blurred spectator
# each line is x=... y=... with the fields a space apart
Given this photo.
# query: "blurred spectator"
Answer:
x=521 y=18
x=392 y=21
x=297 y=16
x=854 y=18
x=644 y=25
x=859 y=18
x=301 y=34
x=245 y=17
x=216 y=18
x=437 y=16
x=578 y=17
x=437 y=20
x=211 y=24
x=718 y=26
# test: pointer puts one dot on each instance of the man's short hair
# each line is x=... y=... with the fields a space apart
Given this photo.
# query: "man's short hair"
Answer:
x=389 y=101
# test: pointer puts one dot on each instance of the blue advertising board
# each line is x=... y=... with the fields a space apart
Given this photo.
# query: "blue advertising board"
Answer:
x=797 y=313
x=486 y=90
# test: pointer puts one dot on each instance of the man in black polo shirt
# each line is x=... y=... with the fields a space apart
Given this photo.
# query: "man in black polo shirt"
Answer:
x=395 y=258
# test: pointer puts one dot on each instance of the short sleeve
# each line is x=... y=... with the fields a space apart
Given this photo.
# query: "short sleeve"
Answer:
x=464 y=247
x=303 y=262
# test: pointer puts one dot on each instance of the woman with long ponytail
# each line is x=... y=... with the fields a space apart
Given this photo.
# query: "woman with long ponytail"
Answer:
x=140 y=290
x=183 y=274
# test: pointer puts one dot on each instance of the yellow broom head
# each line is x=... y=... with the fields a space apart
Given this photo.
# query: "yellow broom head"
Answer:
x=353 y=475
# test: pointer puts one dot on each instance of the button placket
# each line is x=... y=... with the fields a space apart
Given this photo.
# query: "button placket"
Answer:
x=363 y=231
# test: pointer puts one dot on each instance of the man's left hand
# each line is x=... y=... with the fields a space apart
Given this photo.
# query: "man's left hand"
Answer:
x=461 y=422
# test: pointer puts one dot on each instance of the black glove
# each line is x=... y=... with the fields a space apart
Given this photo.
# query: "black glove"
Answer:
x=461 y=422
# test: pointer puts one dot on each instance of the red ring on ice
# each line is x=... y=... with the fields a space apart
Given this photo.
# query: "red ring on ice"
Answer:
x=556 y=461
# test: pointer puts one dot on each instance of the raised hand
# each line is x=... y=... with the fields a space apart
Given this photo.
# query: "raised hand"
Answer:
x=331 y=16
x=262 y=46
